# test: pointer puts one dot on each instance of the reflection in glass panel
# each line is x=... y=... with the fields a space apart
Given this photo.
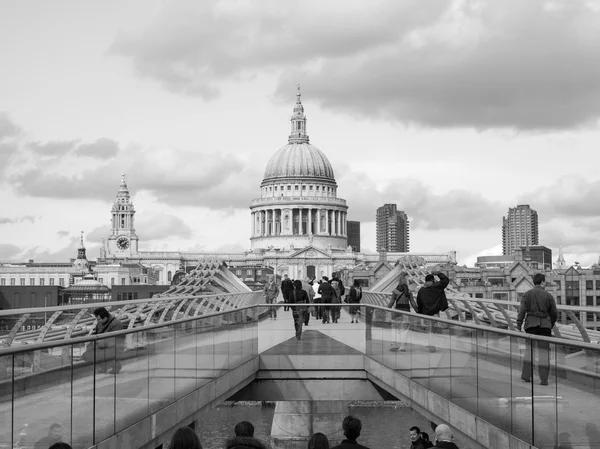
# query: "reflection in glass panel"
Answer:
x=105 y=383
x=439 y=358
x=463 y=367
x=185 y=359
x=204 y=351
x=161 y=352
x=521 y=393
x=6 y=422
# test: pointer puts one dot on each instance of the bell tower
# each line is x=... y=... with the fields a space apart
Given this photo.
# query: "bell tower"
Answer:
x=123 y=240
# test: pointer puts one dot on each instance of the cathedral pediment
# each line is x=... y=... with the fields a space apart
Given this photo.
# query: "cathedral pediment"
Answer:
x=310 y=252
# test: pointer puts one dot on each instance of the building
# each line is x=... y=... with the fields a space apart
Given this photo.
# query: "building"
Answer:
x=299 y=224
x=392 y=227
x=354 y=235
x=538 y=257
x=519 y=228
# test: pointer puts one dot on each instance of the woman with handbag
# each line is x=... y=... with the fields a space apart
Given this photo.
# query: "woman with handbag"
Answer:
x=354 y=298
x=401 y=299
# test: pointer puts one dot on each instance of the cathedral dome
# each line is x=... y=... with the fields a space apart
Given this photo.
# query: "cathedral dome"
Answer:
x=299 y=160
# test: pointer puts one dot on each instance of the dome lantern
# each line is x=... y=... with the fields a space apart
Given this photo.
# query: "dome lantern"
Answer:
x=298 y=132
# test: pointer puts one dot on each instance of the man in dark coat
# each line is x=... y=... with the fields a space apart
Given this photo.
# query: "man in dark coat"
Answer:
x=107 y=349
x=538 y=311
x=431 y=299
x=244 y=438
x=327 y=294
x=444 y=437
x=351 y=427
x=299 y=298
x=287 y=287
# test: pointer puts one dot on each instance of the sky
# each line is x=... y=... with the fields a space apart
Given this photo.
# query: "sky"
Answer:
x=453 y=110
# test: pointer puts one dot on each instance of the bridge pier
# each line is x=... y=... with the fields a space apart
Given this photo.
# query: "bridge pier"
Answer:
x=295 y=422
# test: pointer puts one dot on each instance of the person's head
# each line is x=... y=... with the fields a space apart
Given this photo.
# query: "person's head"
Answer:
x=60 y=445
x=403 y=276
x=244 y=429
x=285 y=276
x=298 y=284
x=356 y=283
x=185 y=438
x=538 y=278
x=415 y=432
x=425 y=437
x=351 y=427
x=325 y=279
x=318 y=441
x=101 y=314
x=270 y=278
x=56 y=431
x=443 y=433
x=429 y=278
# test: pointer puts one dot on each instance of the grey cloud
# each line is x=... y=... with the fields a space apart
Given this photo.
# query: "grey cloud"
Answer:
x=456 y=209
x=152 y=227
x=53 y=148
x=7 y=127
x=8 y=251
x=192 y=46
x=526 y=66
x=102 y=149
x=62 y=233
x=7 y=220
x=64 y=254
x=211 y=180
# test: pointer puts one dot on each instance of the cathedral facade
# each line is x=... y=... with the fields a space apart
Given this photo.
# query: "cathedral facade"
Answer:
x=299 y=224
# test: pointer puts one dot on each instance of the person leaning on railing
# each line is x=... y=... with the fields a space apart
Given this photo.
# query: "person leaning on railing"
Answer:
x=107 y=349
x=431 y=299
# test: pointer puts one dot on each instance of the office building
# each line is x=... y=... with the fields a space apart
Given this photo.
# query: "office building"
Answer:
x=354 y=235
x=519 y=228
x=392 y=229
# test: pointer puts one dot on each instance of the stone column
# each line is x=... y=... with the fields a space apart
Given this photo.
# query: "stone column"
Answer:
x=310 y=221
x=253 y=223
x=273 y=229
x=294 y=422
x=264 y=223
x=300 y=222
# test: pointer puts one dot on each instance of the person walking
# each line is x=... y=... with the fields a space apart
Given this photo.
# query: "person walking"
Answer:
x=354 y=297
x=327 y=294
x=336 y=299
x=299 y=298
x=431 y=299
x=538 y=312
x=400 y=300
x=307 y=287
x=317 y=299
x=287 y=287
x=271 y=292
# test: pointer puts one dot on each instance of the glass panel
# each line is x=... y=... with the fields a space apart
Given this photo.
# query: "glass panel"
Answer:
x=577 y=377
x=221 y=345
x=160 y=367
x=104 y=392
x=132 y=396
x=205 y=363
x=34 y=371
x=544 y=396
x=494 y=378
x=185 y=359
x=376 y=325
x=421 y=350
x=6 y=389
x=83 y=395
x=463 y=367
x=439 y=358
x=522 y=392
x=234 y=334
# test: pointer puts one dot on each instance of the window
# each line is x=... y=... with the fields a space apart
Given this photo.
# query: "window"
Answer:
x=249 y=272
x=42 y=281
x=289 y=187
x=22 y=280
x=558 y=300
x=119 y=296
x=276 y=188
x=32 y=299
x=112 y=281
x=16 y=299
x=3 y=281
x=558 y=285
x=590 y=316
x=122 y=281
x=238 y=272
x=589 y=285
x=310 y=187
x=303 y=187
x=51 y=281
x=479 y=295
x=61 y=282
x=597 y=284
x=589 y=300
x=318 y=187
x=296 y=187
x=258 y=272
x=31 y=281
x=135 y=295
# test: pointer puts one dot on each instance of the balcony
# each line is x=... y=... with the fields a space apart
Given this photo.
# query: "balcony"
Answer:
x=299 y=199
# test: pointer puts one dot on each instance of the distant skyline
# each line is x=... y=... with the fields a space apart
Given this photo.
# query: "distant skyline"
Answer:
x=455 y=111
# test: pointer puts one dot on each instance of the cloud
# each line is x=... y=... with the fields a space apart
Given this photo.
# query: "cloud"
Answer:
x=8 y=251
x=52 y=148
x=7 y=220
x=103 y=148
x=62 y=234
x=454 y=209
x=512 y=64
x=7 y=127
x=193 y=46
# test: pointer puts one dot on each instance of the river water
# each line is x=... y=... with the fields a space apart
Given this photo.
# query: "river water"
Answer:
x=382 y=427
